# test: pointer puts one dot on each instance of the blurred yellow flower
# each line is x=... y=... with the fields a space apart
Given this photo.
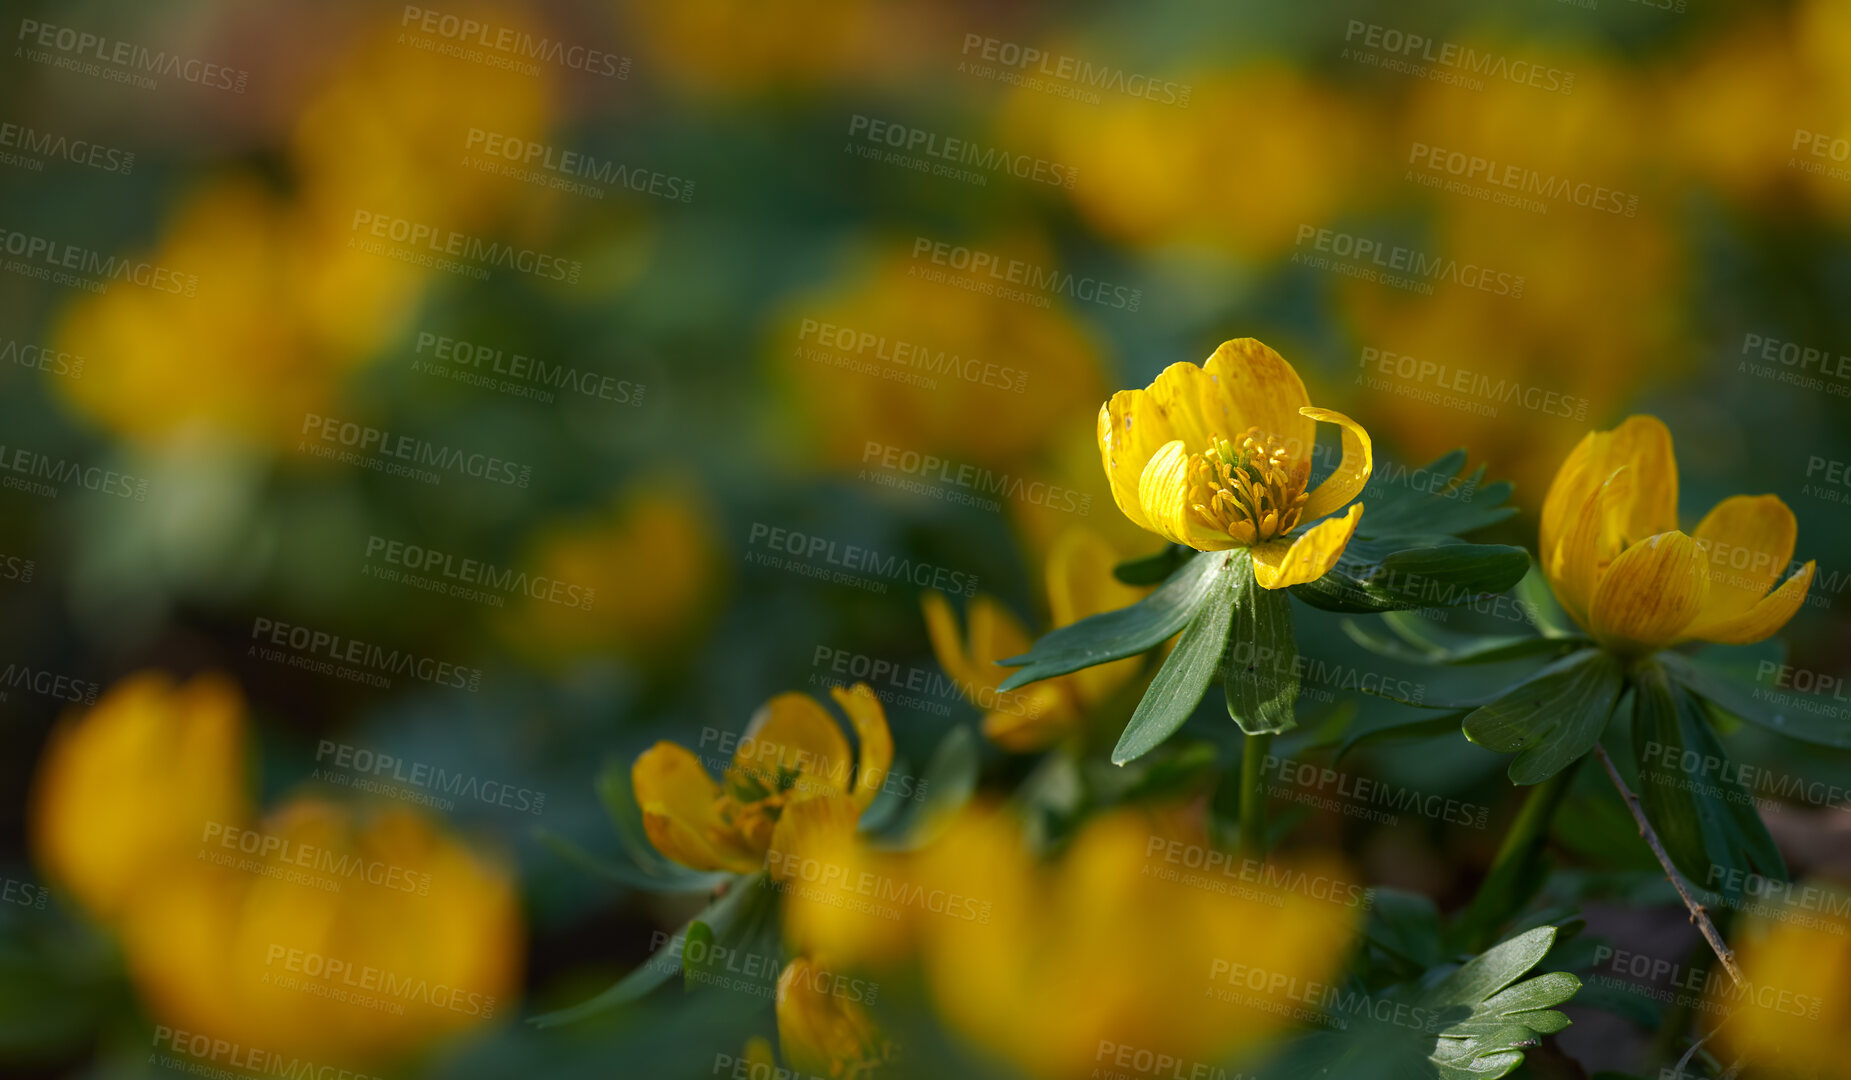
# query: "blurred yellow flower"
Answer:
x=1612 y=551
x=728 y=47
x=1575 y=308
x=649 y=570
x=325 y=932
x=1079 y=585
x=1247 y=158
x=1171 y=455
x=1790 y=1014
x=250 y=352
x=403 y=130
x=791 y=754
x=1113 y=944
x=124 y=788
x=893 y=358
x=823 y=1031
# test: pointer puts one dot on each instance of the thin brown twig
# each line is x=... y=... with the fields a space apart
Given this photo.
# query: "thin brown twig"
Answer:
x=1698 y=913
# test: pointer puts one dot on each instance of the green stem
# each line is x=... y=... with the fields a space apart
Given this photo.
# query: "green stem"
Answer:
x=1253 y=795
x=1505 y=887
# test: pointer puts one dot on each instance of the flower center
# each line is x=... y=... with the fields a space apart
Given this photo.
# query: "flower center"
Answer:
x=1249 y=492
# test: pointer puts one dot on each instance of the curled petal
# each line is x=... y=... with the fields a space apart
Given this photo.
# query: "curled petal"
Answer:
x=1165 y=491
x=1749 y=543
x=793 y=735
x=1590 y=541
x=1281 y=563
x=1640 y=444
x=680 y=811
x=1131 y=430
x=1650 y=593
x=1769 y=614
x=870 y=723
x=1258 y=388
x=821 y=830
x=1352 y=473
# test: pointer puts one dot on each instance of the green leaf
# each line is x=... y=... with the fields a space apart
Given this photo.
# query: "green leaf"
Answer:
x=1415 y=572
x=948 y=782
x=1259 y=670
x=743 y=908
x=625 y=874
x=1759 y=700
x=1551 y=719
x=1400 y=730
x=1691 y=794
x=1128 y=631
x=1407 y=926
x=698 y=955
x=1154 y=568
x=1182 y=680
x=1415 y=644
x=1475 y=1021
x=1437 y=498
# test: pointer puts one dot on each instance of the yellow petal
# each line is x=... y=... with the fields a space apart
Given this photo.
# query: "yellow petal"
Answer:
x=1280 y=563
x=823 y=1032
x=1034 y=719
x=1165 y=491
x=1352 y=473
x=819 y=830
x=870 y=722
x=1769 y=614
x=1589 y=542
x=793 y=734
x=1131 y=430
x=1258 y=388
x=1080 y=585
x=1642 y=445
x=1749 y=543
x=681 y=813
x=1650 y=594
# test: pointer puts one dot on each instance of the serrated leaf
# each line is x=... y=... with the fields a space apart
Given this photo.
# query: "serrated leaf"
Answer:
x=1475 y=1021
x=1259 y=668
x=1181 y=682
x=1695 y=801
x=1128 y=631
x=1763 y=706
x=1552 y=718
x=1405 y=574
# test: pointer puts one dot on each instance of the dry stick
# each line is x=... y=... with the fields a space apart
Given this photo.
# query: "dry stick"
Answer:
x=1698 y=914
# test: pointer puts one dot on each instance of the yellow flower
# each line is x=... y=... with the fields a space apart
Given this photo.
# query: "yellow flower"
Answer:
x=1038 y=963
x=125 y=788
x=1791 y=1014
x=1613 y=553
x=245 y=940
x=1080 y=584
x=662 y=525
x=822 y=1032
x=889 y=363
x=792 y=753
x=1219 y=457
